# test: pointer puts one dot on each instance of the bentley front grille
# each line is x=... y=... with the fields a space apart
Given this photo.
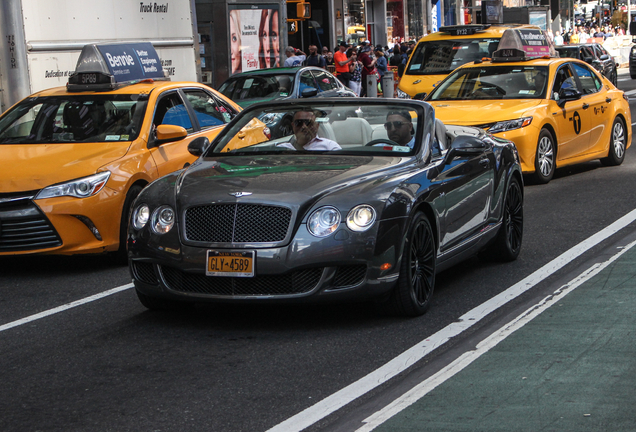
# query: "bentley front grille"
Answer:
x=348 y=276
x=237 y=223
x=144 y=272
x=298 y=282
x=23 y=226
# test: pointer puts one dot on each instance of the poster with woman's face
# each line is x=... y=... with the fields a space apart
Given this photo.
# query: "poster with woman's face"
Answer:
x=254 y=39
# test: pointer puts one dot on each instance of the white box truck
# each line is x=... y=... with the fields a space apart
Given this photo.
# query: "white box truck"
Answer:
x=42 y=40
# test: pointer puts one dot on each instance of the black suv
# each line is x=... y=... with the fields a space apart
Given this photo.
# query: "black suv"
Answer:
x=593 y=54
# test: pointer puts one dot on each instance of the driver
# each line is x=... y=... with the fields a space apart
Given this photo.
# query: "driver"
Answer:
x=305 y=129
x=399 y=128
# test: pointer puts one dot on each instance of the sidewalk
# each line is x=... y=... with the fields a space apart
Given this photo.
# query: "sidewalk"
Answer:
x=571 y=368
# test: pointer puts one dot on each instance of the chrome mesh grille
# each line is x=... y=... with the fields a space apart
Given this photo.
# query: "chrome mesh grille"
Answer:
x=297 y=282
x=237 y=223
x=23 y=226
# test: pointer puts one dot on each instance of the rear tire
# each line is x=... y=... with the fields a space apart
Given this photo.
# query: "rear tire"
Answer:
x=507 y=244
x=411 y=296
x=617 y=145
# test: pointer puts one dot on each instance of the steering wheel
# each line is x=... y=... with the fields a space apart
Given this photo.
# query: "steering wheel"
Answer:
x=381 y=141
x=484 y=90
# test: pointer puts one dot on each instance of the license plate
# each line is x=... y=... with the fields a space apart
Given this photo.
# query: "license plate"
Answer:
x=237 y=264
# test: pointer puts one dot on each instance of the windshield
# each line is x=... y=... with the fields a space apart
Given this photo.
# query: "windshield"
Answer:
x=262 y=87
x=568 y=52
x=493 y=82
x=444 y=56
x=387 y=129
x=70 y=119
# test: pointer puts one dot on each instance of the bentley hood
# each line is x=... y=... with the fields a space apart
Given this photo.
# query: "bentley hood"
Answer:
x=289 y=180
x=26 y=167
x=480 y=112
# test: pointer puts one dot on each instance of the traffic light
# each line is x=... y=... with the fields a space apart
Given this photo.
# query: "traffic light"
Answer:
x=303 y=10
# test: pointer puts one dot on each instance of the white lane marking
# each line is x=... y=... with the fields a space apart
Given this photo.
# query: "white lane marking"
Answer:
x=334 y=402
x=64 y=307
x=630 y=92
x=483 y=347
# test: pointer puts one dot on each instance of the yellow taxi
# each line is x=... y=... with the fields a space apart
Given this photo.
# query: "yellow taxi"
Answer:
x=72 y=159
x=438 y=54
x=558 y=111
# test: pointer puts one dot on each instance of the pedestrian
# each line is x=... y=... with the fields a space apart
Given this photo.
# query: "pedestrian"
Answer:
x=368 y=67
x=355 y=67
x=329 y=58
x=342 y=64
x=558 y=39
x=396 y=58
x=295 y=57
x=381 y=66
x=313 y=59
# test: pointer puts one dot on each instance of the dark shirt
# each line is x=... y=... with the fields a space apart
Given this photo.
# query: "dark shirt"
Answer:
x=316 y=60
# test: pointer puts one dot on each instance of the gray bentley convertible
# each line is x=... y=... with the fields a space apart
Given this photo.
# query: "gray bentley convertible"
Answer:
x=366 y=199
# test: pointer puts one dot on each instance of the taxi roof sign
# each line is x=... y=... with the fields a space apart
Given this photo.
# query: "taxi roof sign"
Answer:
x=461 y=30
x=107 y=66
x=523 y=44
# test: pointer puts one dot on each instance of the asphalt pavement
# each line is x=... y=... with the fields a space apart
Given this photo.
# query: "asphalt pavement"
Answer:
x=567 y=363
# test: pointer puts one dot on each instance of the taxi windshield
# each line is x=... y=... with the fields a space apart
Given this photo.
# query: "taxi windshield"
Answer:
x=73 y=118
x=385 y=129
x=493 y=82
x=444 y=56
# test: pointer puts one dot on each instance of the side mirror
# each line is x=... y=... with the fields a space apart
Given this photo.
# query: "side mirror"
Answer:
x=198 y=146
x=168 y=133
x=309 y=92
x=464 y=145
x=588 y=59
x=568 y=95
x=420 y=96
x=604 y=57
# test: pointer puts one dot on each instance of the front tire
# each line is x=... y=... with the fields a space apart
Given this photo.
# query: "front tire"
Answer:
x=121 y=256
x=411 y=296
x=618 y=144
x=545 y=159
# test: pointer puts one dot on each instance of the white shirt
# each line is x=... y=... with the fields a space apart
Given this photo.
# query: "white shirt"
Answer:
x=294 y=61
x=315 y=144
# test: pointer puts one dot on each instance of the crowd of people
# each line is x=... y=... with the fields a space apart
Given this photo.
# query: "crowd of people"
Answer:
x=352 y=64
x=581 y=33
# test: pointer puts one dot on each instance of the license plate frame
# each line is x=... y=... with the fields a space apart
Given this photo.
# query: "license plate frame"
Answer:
x=235 y=266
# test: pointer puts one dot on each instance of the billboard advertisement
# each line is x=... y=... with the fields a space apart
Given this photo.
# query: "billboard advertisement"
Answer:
x=254 y=38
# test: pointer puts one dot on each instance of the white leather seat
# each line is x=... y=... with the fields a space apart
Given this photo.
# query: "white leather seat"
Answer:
x=379 y=133
x=352 y=131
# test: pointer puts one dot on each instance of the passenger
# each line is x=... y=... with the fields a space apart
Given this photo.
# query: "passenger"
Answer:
x=399 y=128
x=306 y=137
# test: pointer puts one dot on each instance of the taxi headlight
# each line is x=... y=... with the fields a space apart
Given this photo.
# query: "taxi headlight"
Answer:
x=323 y=221
x=507 y=125
x=80 y=188
x=140 y=216
x=361 y=218
x=402 y=95
x=162 y=220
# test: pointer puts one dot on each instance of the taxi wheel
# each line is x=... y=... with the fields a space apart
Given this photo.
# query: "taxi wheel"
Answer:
x=618 y=142
x=121 y=256
x=412 y=295
x=545 y=161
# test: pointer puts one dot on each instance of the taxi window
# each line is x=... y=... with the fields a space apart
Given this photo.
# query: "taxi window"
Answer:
x=70 y=119
x=208 y=110
x=444 y=56
x=564 y=79
x=172 y=111
x=589 y=81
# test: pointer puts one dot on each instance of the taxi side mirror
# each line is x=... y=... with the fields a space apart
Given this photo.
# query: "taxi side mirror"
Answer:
x=168 y=133
x=198 y=146
x=568 y=95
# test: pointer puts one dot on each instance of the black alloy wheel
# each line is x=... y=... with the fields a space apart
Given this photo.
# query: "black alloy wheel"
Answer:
x=617 y=145
x=412 y=295
x=508 y=241
x=545 y=160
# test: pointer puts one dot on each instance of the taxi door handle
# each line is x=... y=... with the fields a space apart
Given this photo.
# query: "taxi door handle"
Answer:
x=608 y=100
x=586 y=106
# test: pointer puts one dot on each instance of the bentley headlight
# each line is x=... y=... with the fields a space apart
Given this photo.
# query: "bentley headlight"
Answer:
x=80 y=188
x=323 y=221
x=507 y=125
x=361 y=218
x=140 y=216
x=162 y=220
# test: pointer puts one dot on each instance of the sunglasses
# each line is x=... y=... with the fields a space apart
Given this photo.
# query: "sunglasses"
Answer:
x=394 y=124
x=305 y=122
